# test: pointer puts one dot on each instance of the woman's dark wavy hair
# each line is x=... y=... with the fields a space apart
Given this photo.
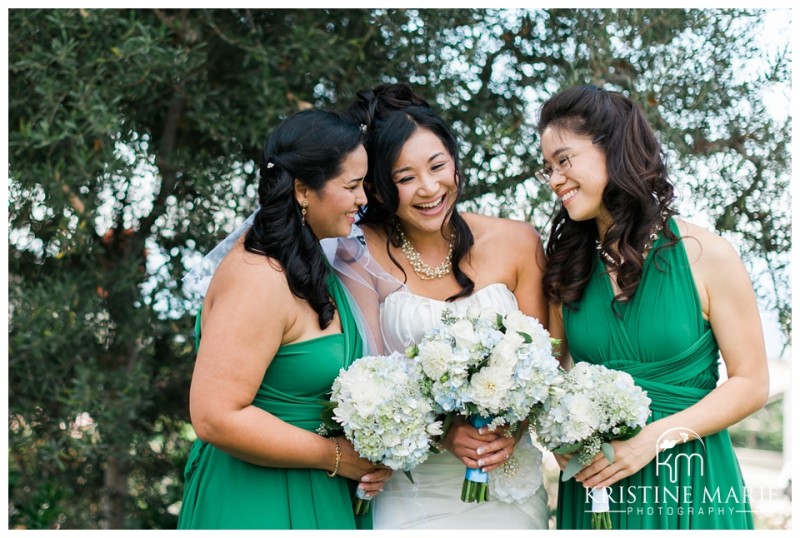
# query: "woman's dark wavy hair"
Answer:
x=638 y=196
x=310 y=146
x=391 y=114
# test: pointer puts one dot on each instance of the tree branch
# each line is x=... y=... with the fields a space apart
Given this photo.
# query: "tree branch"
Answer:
x=164 y=161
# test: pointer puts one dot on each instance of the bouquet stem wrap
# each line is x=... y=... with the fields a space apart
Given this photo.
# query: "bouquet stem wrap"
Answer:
x=360 y=503
x=475 y=488
x=601 y=518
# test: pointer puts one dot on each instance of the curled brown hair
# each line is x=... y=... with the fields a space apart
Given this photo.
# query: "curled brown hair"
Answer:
x=638 y=196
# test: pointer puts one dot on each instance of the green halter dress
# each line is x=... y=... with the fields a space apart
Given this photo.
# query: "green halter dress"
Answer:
x=224 y=492
x=661 y=338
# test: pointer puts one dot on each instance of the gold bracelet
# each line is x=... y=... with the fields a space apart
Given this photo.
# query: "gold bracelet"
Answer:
x=338 y=459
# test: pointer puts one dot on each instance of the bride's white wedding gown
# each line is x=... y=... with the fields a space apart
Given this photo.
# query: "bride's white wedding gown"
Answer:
x=433 y=501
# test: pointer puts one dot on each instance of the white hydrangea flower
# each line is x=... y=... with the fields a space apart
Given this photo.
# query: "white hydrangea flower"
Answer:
x=383 y=411
x=592 y=404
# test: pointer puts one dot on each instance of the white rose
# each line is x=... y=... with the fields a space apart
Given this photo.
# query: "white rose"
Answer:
x=464 y=334
x=473 y=313
x=504 y=354
x=516 y=321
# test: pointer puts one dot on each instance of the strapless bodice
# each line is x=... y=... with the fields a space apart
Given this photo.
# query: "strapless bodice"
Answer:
x=406 y=317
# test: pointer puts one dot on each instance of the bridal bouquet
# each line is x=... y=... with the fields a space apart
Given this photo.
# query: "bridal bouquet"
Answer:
x=489 y=368
x=378 y=404
x=592 y=406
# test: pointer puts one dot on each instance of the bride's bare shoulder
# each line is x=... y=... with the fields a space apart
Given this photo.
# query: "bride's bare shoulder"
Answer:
x=502 y=233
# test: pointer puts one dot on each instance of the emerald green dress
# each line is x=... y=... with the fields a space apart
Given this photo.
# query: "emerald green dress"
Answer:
x=224 y=492
x=661 y=338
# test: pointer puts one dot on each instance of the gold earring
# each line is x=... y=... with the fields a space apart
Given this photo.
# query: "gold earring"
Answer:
x=303 y=206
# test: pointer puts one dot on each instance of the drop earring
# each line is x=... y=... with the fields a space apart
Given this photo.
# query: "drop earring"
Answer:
x=303 y=207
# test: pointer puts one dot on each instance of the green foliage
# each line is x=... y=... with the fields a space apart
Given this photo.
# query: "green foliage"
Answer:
x=763 y=430
x=329 y=427
x=132 y=141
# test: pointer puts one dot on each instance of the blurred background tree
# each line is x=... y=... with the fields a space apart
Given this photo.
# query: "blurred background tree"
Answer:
x=133 y=137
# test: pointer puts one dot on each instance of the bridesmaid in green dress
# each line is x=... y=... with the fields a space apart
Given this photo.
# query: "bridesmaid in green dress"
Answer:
x=636 y=289
x=276 y=329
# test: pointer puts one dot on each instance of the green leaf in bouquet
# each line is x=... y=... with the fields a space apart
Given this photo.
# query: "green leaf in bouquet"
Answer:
x=470 y=409
x=329 y=427
x=608 y=451
x=568 y=449
x=412 y=351
x=571 y=469
x=499 y=323
x=626 y=432
x=408 y=475
x=525 y=337
x=447 y=421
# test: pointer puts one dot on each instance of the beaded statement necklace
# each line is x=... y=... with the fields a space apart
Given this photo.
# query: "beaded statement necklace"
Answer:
x=611 y=262
x=425 y=271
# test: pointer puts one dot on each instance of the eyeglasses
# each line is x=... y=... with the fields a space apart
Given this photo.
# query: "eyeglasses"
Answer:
x=563 y=164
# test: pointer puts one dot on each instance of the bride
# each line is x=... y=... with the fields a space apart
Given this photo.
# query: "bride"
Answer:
x=414 y=255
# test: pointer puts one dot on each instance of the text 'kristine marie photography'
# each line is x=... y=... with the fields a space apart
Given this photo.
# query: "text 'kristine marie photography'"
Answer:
x=680 y=500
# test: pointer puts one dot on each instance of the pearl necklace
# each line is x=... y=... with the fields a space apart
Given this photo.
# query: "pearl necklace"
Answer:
x=425 y=271
x=611 y=262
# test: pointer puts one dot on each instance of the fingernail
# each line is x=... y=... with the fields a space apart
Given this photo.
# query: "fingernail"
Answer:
x=479 y=451
x=480 y=464
x=365 y=478
x=481 y=431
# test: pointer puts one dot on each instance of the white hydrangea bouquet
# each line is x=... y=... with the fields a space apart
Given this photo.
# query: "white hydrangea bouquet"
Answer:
x=377 y=402
x=592 y=406
x=492 y=369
